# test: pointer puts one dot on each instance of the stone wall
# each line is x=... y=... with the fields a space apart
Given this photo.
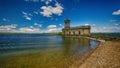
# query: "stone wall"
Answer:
x=76 y=32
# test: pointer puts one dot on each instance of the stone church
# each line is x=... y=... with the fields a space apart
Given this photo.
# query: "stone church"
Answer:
x=75 y=31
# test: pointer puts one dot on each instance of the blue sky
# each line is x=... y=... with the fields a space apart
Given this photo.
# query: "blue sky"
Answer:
x=37 y=16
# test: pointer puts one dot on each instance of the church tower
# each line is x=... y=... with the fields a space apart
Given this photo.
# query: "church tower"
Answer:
x=67 y=23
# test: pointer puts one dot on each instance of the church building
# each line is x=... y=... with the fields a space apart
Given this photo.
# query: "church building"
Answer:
x=75 y=31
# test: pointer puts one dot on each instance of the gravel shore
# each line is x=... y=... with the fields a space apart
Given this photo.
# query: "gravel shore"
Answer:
x=107 y=55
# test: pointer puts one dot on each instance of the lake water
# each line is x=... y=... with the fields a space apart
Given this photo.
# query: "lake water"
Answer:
x=42 y=50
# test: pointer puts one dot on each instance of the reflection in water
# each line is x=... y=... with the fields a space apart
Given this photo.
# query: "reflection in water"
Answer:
x=42 y=51
x=75 y=45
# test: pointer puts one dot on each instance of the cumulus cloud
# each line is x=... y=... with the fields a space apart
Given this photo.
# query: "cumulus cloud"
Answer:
x=26 y=15
x=116 y=12
x=7 y=28
x=13 y=28
x=48 y=11
x=53 y=28
x=29 y=30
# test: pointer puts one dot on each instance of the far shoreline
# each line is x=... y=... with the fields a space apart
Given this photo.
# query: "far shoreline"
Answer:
x=104 y=41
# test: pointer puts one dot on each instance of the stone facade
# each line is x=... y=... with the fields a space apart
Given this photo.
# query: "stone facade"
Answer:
x=75 y=31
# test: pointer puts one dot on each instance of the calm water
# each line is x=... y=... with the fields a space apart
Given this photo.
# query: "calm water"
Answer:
x=50 y=50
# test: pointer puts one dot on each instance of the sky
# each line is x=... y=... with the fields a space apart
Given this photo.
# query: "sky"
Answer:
x=38 y=16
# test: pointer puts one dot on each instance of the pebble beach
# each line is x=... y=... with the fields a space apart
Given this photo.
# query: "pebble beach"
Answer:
x=107 y=55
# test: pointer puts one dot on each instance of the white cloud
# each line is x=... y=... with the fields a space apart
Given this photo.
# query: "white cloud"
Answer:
x=29 y=30
x=116 y=12
x=13 y=28
x=90 y=25
x=87 y=24
x=46 y=1
x=105 y=29
x=35 y=12
x=37 y=25
x=27 y=18
x=26 y=15
x=53 y=28
x=8 y=28
x=60 y=24
x=48 y=11
x=31 y=27
x=95 y=28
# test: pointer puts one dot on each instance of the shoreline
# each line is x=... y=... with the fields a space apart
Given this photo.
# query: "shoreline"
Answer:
x=105 y=55
x=80 y=62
